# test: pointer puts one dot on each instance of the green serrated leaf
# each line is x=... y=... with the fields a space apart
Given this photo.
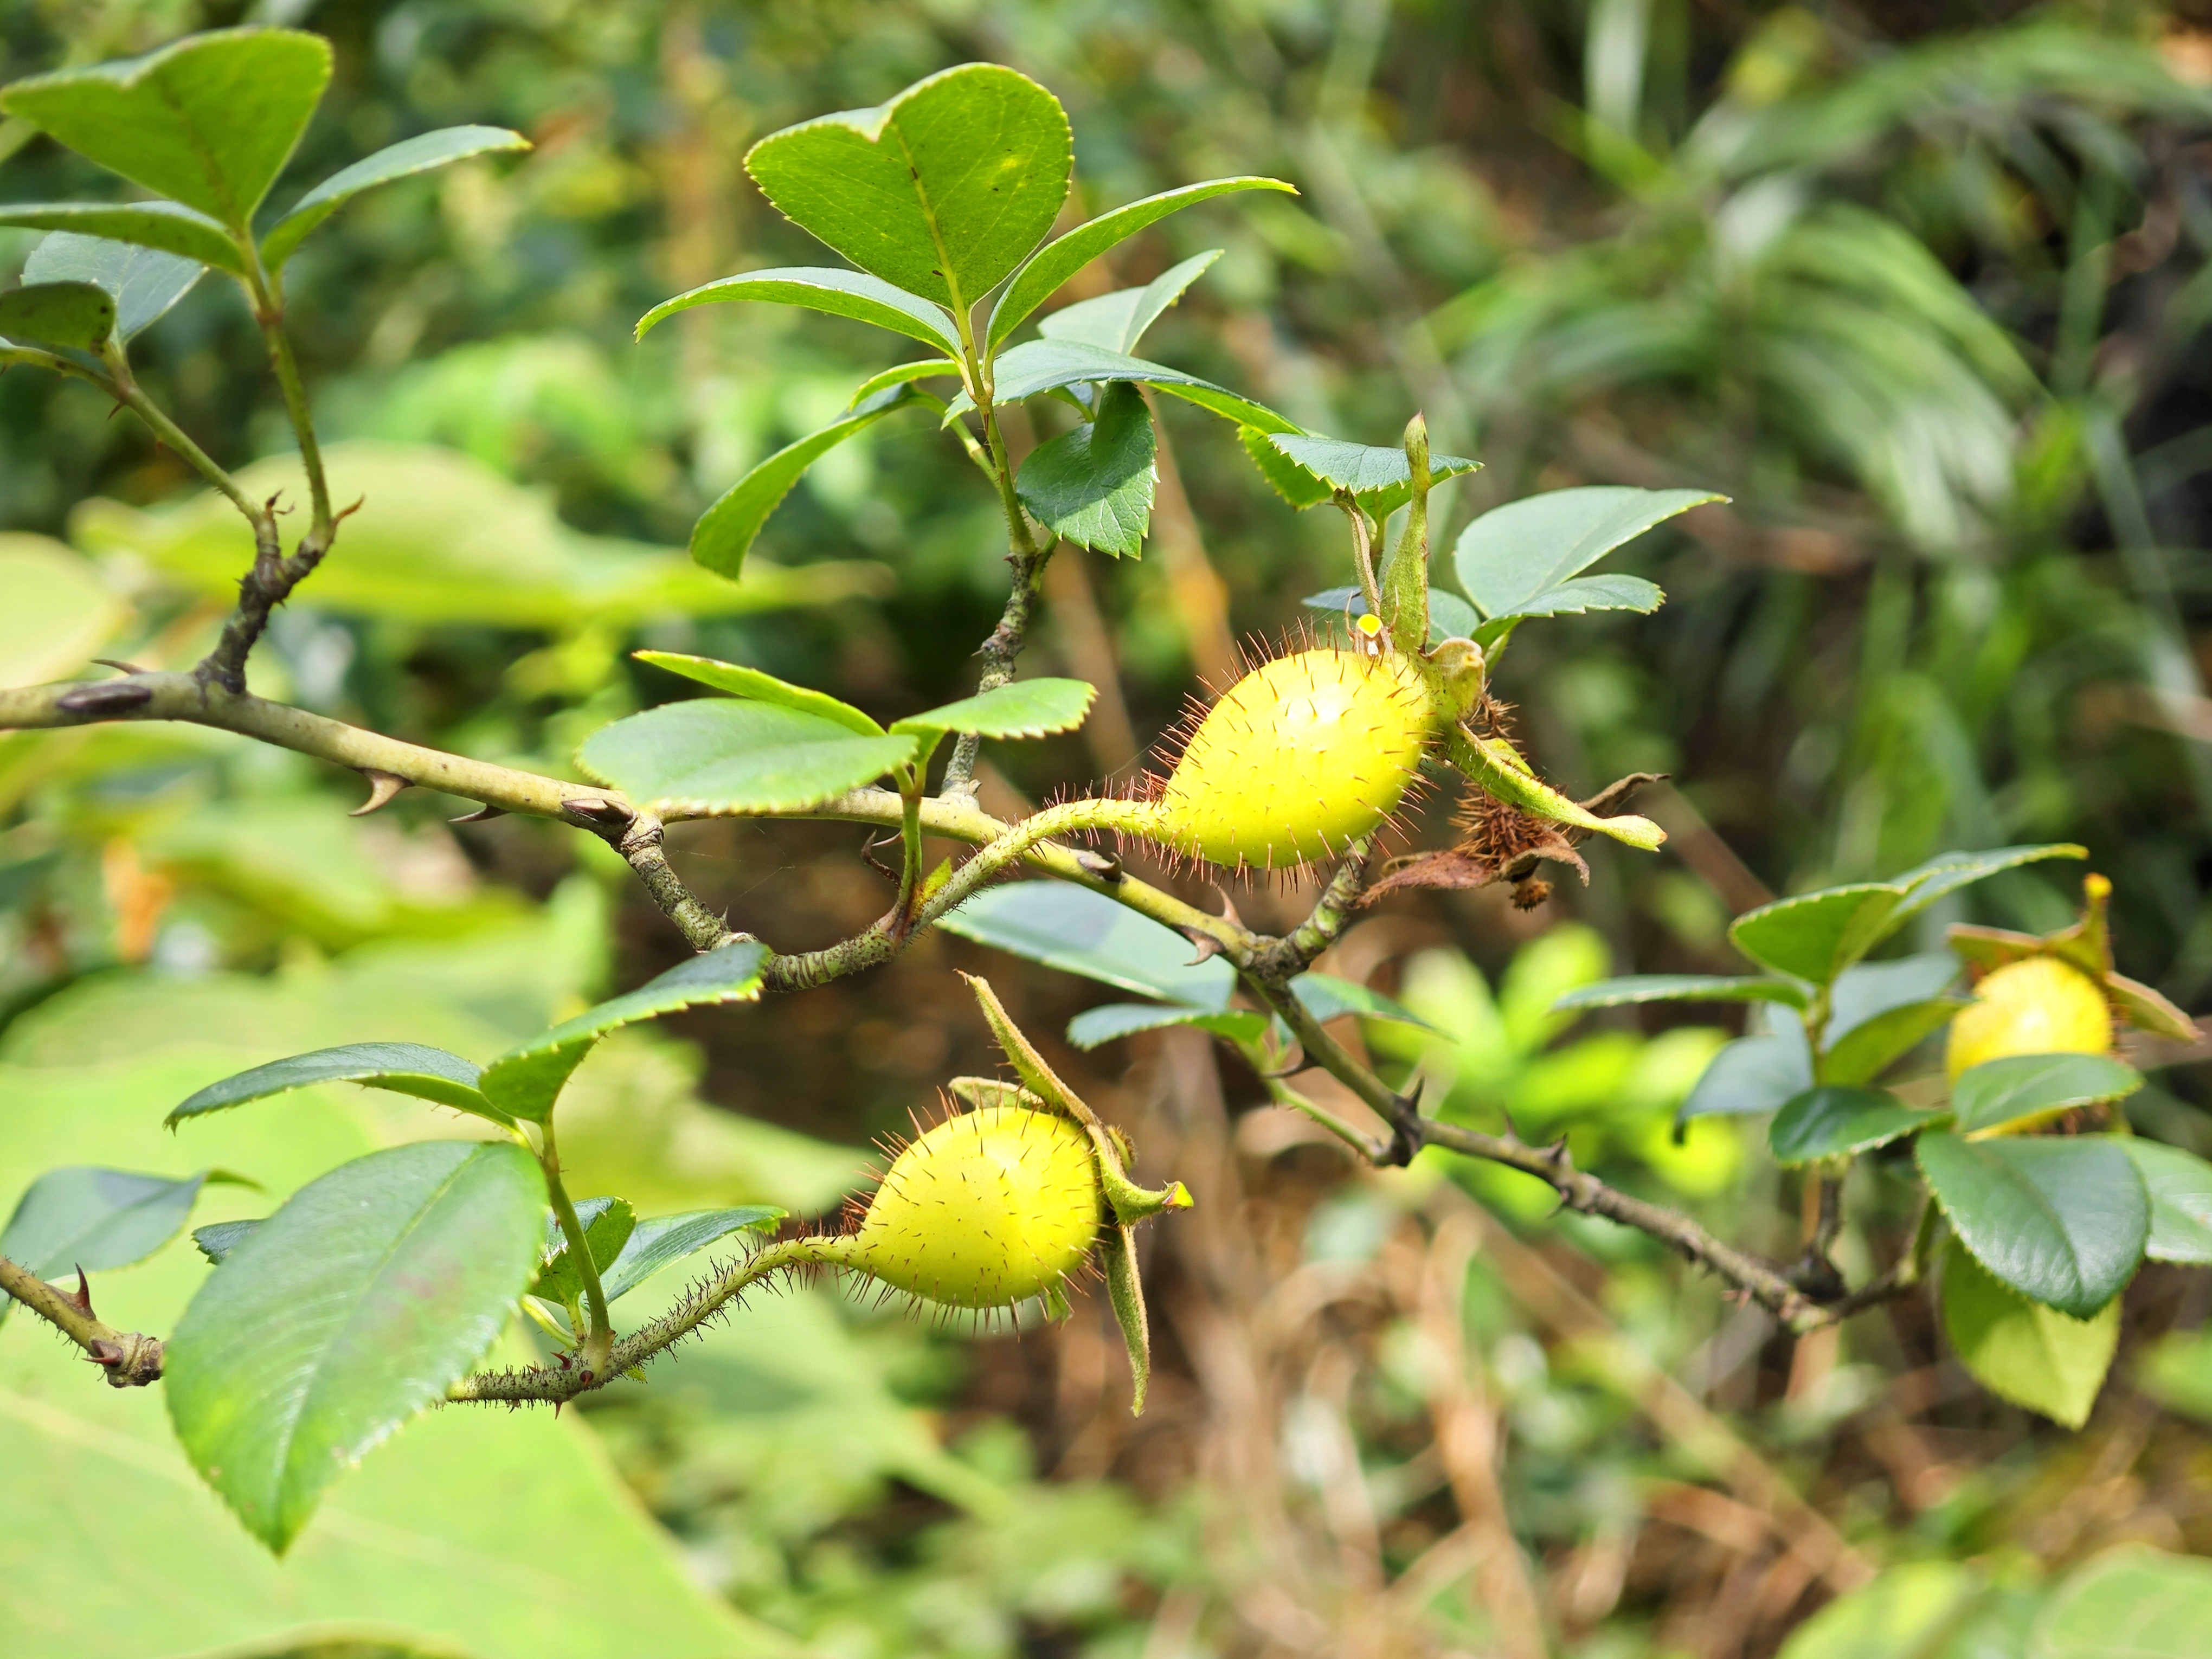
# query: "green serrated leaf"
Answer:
x=2017 y=1092
x=608 y=1224
x=1080 y=932
x=2021 y=1350
x=406 y=1068
x=1093 y=485
x=94 y=1218
x=395 y=161
x=1040 y=278
x=761 y=688
x=1870 y=1048
x=144 y=281
x=1026 y=708
x=1815 y=936
x=2180 y=1187
x=1326 y=997
x=2062 y=1221
x=1289 y=480
x=941 y=192
x=1118 y=320
x=527 y=1080
x=1837 y=1122
x=218 y=1239
x=1680 y=988
x=713 y=754
x=725 y=531
x=208 y=121
x=78 y=315
x=1759 y=1074
x=1096 y=1027
x=347 y=1313
x=1036 y=366
x=167 y=226
x=1379 y=476
x=820 y=288
x=662 y=1240
x=1512 y=557
x=927 y=368
x=1946 y=872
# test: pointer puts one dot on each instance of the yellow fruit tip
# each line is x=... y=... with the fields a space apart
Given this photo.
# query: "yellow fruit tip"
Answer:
x=2096 y=887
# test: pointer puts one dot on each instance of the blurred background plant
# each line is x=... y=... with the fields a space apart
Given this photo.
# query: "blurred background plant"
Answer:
x=1922 y=286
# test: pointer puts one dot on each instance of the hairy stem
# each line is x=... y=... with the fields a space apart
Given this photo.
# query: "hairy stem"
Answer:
x=599 y=1342
x=131 y=1360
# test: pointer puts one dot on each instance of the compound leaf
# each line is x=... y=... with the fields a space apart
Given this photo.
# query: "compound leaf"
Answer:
x=167 y=226
x=1836 y=1121
x=526 y=1079
x=1512 y=557
x=94 y=1218
x=941 y=192
x=208 y=121
x=1093 y=485
x=1079 y=932
x=2062 y=1221
x=1118 y=320
x=1025 y=708
x=350 y=1310
x=2018 y=1091
x=1815 y=936
x=1036 y=366
x=716 y=754
x=1379 y=476
x=1058 y=260
x=401 y=161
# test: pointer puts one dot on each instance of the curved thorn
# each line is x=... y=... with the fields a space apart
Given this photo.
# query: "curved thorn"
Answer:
x=383 y=788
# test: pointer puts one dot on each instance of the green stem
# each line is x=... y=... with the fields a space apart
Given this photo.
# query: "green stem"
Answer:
x=599 y=1344
x=126 y=390
x=267 y=297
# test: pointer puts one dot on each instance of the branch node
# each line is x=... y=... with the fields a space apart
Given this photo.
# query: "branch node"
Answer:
x=384 y=788
x=602 y=817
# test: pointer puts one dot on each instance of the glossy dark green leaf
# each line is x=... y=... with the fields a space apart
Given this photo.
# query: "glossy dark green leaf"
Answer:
x=1326 y=997
x=1869 y=1048
x=406 y=1068
x=345 y=1314
x=1579 y=595
x=1289 y=480
x=218 y=1239
x=1680 y=988
x=2180 y=1187
x=526 y=1079
x=401 y=161
x=208 y=121
x=662 y=1240
x=167 y=226
x=1093 y=485
x=743 y=682
x=941 y=192
x=1758 y=1073
x=725 y=531
x=94 y=1218
x=1095 y=1027
x=1378 y=475
x=1867 y=989
x=1834 y=1122
x=927 y=368
x=1079 y=932
x=715 y=755
x=1118 y=320
x=144 y=281
x=78 y=315
x=1815 y=936
x=608 y=1224
x=1513 y=556
x=822 y=288
x=2022 y=1350
x=2062 y=1221
x=1025 y=708
x=1040 y=278
x=2021 y=1091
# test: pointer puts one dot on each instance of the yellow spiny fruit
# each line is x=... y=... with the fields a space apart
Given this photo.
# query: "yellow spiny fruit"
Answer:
x=984 y=1211
x=2037 y=1005
x=1303 y=755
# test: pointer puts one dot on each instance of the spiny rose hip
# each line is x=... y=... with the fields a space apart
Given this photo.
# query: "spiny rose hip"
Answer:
x=1303 y=755
x=2037 y=1005
x=985 y=1210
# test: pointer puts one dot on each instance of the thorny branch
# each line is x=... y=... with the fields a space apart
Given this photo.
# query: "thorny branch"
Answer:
x=130 y=1359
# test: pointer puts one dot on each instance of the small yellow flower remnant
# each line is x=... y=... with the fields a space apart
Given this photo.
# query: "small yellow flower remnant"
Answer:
x=1304 y=757
x=985 y=1210
x=2037 y=1005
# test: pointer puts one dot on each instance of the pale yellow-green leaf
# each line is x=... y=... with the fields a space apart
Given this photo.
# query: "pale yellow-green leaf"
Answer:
x=2023 y=1351
x=58 y=610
